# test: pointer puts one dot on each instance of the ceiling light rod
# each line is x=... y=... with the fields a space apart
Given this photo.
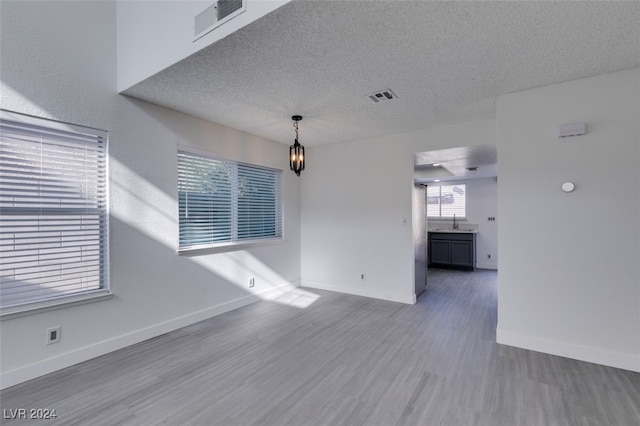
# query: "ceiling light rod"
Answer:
x=296 y=151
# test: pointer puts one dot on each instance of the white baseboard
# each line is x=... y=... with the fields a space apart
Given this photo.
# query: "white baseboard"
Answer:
x=32 y=371
x=487 y=265
x=410 y=299
x=624 y=361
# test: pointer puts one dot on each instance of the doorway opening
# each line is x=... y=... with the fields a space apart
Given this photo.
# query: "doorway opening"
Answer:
x=458 y=215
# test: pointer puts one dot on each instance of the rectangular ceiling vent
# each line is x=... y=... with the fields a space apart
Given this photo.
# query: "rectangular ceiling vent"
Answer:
x=217 y=14
x=383 y=95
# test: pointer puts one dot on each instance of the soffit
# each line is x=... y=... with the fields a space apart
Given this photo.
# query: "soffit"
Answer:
x=446 y=62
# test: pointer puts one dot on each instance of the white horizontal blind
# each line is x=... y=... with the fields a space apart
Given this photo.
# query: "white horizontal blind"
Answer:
x=259 y=204
x=204 y=200
x=53 y=210
x=447 y=200
x=222 y=201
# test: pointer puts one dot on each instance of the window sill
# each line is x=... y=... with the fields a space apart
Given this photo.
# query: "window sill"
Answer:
x=225 y=247
x=53 y=304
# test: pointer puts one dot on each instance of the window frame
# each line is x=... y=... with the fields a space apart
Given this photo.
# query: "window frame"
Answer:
x=440 y=216
x=43 y=126
x=234 y=243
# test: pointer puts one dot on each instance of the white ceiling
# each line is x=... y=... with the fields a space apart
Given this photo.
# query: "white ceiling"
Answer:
x=445 y=61
x=454 y=163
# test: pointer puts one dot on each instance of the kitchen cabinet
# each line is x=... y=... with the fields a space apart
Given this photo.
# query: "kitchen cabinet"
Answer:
x=452 y=250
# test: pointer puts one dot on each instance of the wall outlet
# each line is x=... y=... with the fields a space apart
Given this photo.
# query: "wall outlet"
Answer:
x=252 y=282
x=363 y=276
x=491 y=218
x=53 y=335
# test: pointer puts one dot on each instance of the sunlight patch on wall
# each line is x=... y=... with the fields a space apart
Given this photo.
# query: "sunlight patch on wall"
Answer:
x=153 y=212
x=21 y=103
x=142 y=205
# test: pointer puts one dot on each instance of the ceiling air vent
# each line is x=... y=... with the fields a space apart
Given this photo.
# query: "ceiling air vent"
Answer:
x=217 y=14
x=383 y=95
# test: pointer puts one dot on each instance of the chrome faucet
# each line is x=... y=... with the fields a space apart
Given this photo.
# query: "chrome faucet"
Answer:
x=455 y=224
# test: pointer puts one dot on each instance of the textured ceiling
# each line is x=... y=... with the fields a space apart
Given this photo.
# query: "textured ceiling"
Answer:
x=445 y=61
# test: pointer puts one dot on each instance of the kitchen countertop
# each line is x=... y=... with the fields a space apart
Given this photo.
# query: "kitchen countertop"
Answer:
x=454 y=231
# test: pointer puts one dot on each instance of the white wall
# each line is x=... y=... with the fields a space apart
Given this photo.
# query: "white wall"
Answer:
x=356 y=210
x=569 y=280
x=153 y=35
x=482 y=203
x=58 y=60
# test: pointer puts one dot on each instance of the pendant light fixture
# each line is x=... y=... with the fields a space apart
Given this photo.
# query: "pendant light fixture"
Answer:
x=296 y=151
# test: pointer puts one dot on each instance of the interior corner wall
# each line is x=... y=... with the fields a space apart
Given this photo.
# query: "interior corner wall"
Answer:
x=356 y=210
x=569 y=280
x=58 y=61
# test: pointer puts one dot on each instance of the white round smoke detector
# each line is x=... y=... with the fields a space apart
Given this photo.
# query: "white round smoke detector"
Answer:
x=568 y=186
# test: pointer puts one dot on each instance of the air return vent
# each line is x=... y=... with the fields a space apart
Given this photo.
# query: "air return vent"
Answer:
x=383 y=95
x=217 y=14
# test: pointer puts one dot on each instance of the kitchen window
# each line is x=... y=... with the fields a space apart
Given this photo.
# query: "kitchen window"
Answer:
x=53 y=213
x=226 y=203
x=446 y=200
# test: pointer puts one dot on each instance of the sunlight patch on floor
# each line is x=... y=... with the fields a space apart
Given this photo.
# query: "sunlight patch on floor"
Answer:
x=295 y=297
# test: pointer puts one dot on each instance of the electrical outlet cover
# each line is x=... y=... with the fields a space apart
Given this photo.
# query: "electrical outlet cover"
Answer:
x=53 y=335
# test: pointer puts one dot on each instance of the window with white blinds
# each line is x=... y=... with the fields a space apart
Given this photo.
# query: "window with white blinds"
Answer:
x=53 y=210
x=447 y=200
x=222 y=201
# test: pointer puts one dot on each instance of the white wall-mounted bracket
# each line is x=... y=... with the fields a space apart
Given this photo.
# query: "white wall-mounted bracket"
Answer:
x=571 y=129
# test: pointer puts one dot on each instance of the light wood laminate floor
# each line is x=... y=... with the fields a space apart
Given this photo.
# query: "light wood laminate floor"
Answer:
x=343 y=360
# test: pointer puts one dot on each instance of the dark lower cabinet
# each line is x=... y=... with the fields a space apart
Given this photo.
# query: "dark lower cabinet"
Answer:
x=452 y=250
x=440 y=251
x=462 y=253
